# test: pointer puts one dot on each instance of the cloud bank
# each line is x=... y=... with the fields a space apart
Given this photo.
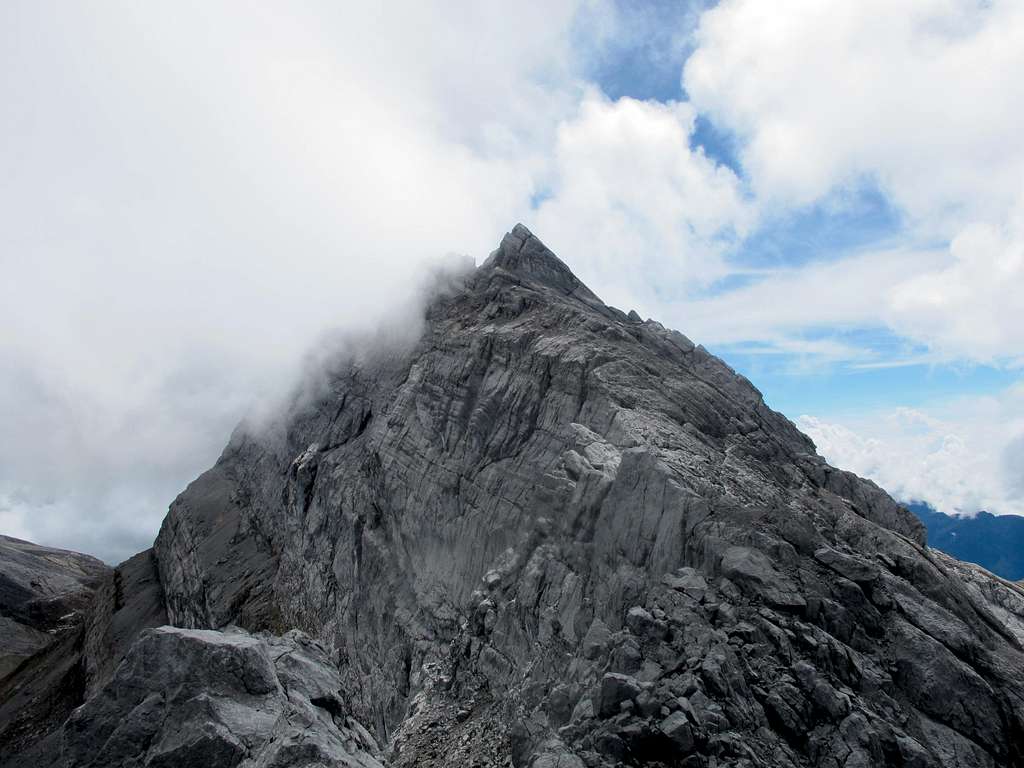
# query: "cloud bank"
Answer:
x=959 y=456
x=914 y=98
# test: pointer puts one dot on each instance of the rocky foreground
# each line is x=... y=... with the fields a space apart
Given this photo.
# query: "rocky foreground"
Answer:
x=547 y=533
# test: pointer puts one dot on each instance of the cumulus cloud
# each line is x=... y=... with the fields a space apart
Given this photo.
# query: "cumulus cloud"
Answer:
x=916 y=98
x=904 y=91
x=960 y=456
x=640 y=215
x=972 y=307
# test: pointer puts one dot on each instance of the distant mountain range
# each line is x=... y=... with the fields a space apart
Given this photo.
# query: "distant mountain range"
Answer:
x=995 y=543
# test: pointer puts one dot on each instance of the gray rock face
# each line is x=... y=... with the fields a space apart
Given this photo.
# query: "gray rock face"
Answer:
x=127 y=601
x=617 y=692
x=80 y=618
x=219 y=699
x=45 y=599
x=43 y=593
x=552 y=534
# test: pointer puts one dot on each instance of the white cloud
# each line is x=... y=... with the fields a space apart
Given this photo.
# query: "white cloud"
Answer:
x=777 y=306
x=973 y=307
x=920 y=97
x=906 y=91
x=193 y=192
x=960 y=456
x=636 y=212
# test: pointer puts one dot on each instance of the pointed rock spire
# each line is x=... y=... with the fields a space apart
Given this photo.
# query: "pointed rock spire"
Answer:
x=523 y=254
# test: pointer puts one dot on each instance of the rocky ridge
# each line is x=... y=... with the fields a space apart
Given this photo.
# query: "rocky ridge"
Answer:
x=548 y=533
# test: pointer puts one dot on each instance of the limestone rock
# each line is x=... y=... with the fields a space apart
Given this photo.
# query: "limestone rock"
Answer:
x=616 y=689
x=219 y=699
x=755 y=570
x=45 y=598
x=678 y=729
x=82 y=618
x=544 y=533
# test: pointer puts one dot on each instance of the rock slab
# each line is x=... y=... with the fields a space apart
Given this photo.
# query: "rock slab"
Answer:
x=219 y=699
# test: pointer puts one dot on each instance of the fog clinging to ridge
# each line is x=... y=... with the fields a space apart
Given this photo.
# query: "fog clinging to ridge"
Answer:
x=198 y=194
x=195 y=196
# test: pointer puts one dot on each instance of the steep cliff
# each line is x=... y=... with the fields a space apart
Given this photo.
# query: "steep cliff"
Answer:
x=552 y=534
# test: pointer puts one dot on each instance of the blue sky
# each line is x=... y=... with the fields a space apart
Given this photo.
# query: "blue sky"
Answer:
x=646 y=63
x=644 y=57
x=828 y=195
x=842 y=390
x=889 y=370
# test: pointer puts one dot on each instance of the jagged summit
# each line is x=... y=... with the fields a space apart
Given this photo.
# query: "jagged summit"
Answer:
x=547 y=534
x=522 y=253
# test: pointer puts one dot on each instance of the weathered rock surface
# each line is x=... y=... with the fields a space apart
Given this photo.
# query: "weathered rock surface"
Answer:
x=81 y=617
x=45 y=598
x=220 y=700
x=128 y=600
x=552 y=534
x=43 y=594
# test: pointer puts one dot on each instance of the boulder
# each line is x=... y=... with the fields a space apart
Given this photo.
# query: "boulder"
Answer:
x=615 y=689
x=755 y=572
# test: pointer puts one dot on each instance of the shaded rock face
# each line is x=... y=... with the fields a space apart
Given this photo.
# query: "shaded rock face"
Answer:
x=66 y=621
x=553 y=534
x=45 y=601
x=127 y=601
x=41 y=585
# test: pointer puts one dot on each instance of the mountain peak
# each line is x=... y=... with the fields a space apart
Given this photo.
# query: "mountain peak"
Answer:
x=522 y=253
x=540 y=536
